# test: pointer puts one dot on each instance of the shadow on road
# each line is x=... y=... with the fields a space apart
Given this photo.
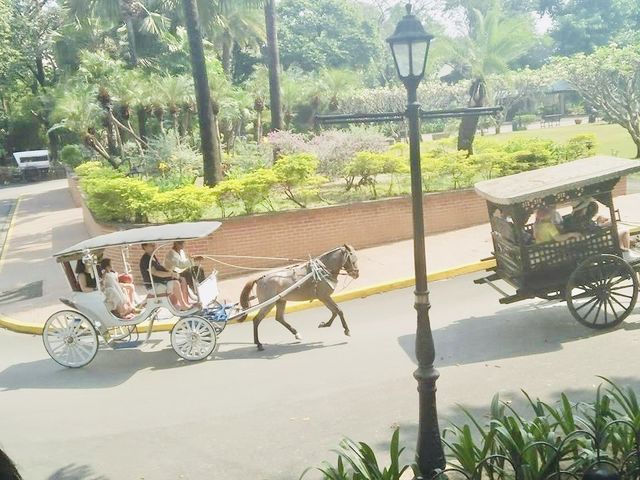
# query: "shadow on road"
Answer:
x=75 y=472
x=270 y=352
x=518 y=331
x=26 y=292
x=516 y=400
x=114 y=367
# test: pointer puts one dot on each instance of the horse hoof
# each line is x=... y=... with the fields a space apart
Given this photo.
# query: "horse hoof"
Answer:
x=260 y=348
x=323 y=325
x=347 y=333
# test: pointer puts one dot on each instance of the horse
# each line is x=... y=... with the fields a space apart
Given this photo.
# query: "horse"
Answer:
x=320 y=285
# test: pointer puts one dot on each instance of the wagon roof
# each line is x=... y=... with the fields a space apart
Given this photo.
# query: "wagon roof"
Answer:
x=547 y=181
x=157 y=233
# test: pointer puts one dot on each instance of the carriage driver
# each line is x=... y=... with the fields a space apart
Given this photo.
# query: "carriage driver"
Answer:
x=164 y=280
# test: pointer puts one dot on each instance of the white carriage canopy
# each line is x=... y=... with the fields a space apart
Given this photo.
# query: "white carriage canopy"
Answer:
x=135 y=236
x=547 y=181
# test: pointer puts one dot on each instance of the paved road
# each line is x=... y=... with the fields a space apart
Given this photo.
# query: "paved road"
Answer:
x=144 y=414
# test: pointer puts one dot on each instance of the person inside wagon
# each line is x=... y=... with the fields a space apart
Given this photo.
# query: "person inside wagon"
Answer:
x=178 y=261
x=164 y=280
x=546 y=230
x=119 y=297
x=585 y=218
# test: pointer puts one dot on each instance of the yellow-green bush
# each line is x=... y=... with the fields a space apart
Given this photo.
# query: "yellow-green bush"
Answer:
x=121 y=199
x=251 y=189
x=185 y=204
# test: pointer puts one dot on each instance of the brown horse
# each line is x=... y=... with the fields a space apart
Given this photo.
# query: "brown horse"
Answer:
x=320 y=285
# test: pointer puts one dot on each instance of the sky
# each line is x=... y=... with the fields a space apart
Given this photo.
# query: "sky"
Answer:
x=452 y=24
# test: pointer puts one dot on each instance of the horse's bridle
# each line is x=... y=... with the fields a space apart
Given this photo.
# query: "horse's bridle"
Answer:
x=348 y=259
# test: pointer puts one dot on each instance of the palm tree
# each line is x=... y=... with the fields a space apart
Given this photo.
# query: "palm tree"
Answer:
x=258 y=85
x=212 y=161
x=494 y=39
x=131 y=13
x=175 y=92
x=77 y=110
x=274 y=65
x=237 y=24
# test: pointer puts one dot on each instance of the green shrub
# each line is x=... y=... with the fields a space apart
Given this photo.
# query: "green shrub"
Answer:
x=368 y=165
x=296 y=177
x=72 y=155
x=580 y=146
x=357 y=461
x=250 y=189
x=567 y=436
x=185 y=204
x=92 y=169
x=170 y=161
x=121 y=199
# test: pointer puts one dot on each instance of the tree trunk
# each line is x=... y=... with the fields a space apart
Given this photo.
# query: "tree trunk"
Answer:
x=210 y=150
x=54 y=145
x=142 y=122
x=131 y=41
x=40 y=77
x=112 y=145
x=258 y=129
x=227 y=44
x=218 y=145
x=127 y=10
x=274 y=65
x=469 y=125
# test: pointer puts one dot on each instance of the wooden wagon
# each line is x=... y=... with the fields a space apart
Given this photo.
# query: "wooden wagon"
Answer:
x=596 y=278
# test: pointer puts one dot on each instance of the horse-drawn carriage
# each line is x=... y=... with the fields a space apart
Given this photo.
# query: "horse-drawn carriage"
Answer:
x=71 y=337
x=598 y=280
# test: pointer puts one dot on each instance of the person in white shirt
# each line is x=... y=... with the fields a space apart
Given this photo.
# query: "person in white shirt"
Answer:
x=177 y=261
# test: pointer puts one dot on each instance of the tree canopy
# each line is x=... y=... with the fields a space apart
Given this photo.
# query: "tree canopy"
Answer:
x=326 y=33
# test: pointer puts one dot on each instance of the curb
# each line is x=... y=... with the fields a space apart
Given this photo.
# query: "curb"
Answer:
x=6 y=230
x=22 y=327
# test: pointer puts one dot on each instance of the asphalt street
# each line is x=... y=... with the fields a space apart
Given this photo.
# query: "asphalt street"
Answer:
x=145 y=414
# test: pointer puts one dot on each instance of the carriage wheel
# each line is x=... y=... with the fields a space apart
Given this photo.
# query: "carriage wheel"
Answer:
x=70 y=339
x=193 y=338
x=602 y=291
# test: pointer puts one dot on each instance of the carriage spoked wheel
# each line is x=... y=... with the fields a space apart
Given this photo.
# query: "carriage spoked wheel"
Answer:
x=193 y=338
x=602 y=291
x=70 y=338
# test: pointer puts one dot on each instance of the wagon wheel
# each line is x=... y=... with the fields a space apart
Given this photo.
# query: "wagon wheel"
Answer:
x=602 y=291
x=70 y=339
x=121 y=332
x=193 y=338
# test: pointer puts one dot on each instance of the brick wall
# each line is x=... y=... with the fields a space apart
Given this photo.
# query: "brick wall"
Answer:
x=303 y=232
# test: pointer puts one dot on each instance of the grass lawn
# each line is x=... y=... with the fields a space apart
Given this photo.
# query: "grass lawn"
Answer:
x=612 y=139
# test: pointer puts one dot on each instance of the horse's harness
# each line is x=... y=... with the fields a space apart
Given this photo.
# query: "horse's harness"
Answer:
x=320 y=272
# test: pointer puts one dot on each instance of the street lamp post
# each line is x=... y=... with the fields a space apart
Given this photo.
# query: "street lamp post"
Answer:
x=410 y=47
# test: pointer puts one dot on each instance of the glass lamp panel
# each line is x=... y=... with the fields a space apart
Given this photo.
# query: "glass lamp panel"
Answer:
x=402 y=57
x=419 y=57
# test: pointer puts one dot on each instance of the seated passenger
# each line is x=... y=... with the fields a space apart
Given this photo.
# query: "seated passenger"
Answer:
x=177 y=260
x=85 y=277
x=119 y=302
x=590 y=207
x=581 y=218
x=163 y=279
x=545 y=230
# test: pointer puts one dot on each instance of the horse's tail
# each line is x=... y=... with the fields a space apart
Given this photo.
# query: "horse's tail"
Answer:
x=245 y=297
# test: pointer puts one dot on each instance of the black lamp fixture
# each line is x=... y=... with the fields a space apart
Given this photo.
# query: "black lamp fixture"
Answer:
x=410 y=48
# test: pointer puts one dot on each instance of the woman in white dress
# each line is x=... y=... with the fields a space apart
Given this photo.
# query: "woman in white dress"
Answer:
x=118 y=300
